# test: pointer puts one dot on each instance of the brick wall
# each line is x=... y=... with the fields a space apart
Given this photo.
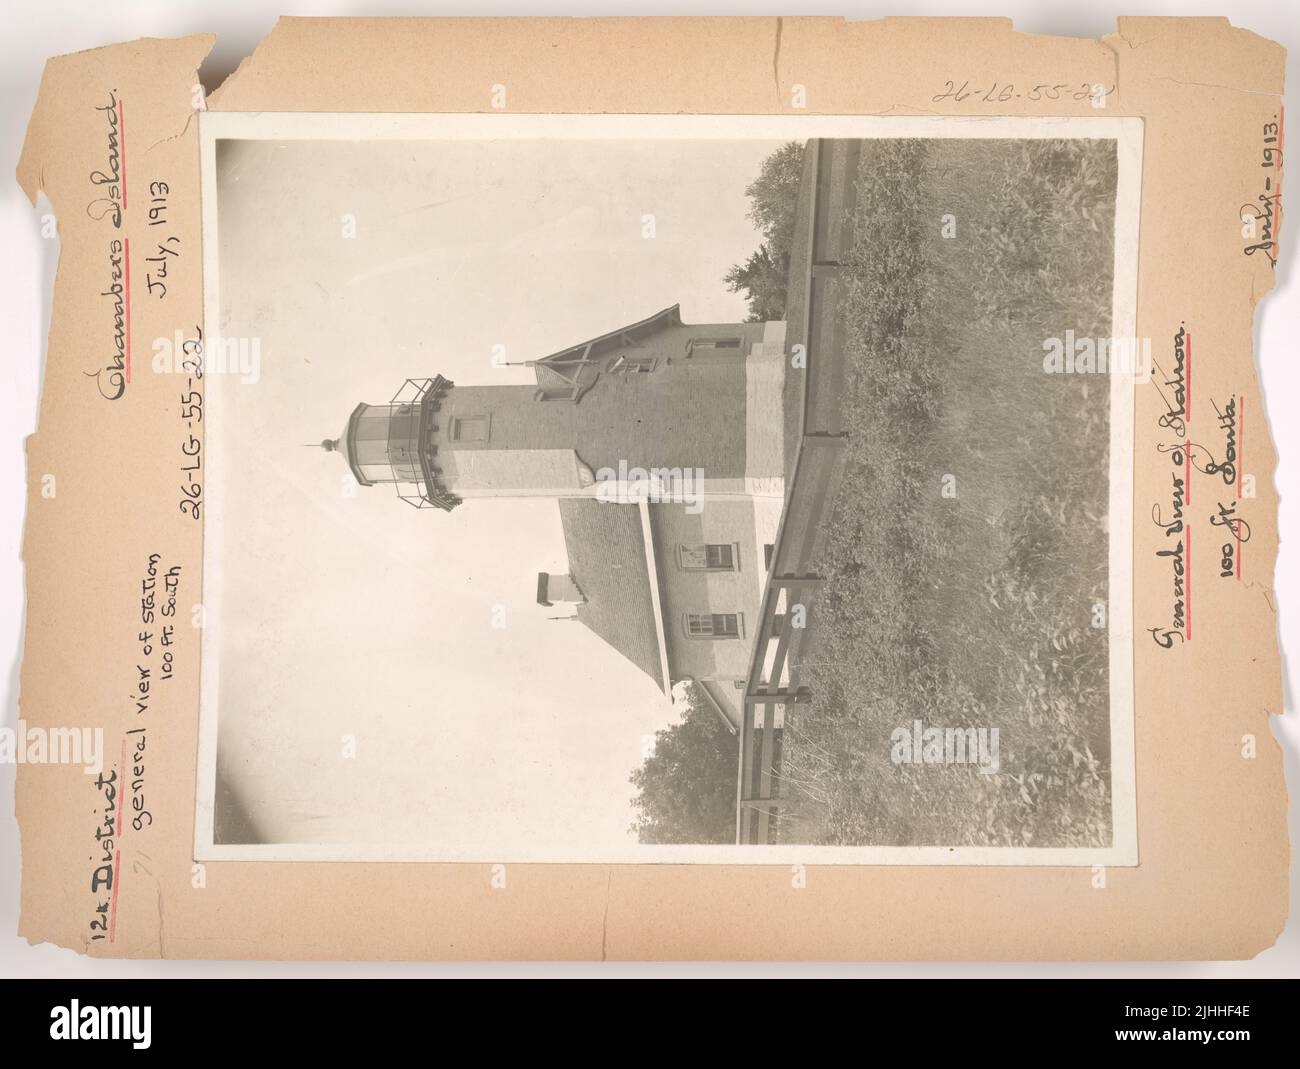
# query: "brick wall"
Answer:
x=688 y=412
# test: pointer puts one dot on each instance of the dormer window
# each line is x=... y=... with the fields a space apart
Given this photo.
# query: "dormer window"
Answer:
x=557 y=393
x=624 y=364
x=709 y=344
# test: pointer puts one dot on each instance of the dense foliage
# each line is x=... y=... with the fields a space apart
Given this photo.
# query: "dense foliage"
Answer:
x=773 y=196
x=687 y=786
x=974 y=609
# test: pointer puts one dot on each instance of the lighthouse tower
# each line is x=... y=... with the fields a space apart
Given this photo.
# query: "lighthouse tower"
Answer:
x=655 y=396
x=676 y=589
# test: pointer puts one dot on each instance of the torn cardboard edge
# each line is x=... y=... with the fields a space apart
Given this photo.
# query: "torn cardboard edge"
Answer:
x=1212 y=882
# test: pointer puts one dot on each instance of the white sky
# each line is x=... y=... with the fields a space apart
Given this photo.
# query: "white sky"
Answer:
x=356 y=614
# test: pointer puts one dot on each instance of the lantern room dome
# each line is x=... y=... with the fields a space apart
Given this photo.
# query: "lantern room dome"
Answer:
x=337 y=445
x=345 y=444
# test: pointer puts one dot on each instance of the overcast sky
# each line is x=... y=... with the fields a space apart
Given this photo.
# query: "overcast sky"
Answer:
x=354 y=614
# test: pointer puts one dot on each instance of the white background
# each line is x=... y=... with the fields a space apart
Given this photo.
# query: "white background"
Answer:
x=31 y=33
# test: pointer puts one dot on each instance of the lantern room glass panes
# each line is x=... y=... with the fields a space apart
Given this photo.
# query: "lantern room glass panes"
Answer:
x=385 y=443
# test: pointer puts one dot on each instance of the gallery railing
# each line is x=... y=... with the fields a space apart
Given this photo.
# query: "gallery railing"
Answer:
x=410 y=445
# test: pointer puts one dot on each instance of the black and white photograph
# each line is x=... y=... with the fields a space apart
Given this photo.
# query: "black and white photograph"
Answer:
x=580 y=492
x=668 y=489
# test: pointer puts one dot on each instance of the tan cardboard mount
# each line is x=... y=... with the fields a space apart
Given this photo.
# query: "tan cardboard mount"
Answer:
x=1214 y=855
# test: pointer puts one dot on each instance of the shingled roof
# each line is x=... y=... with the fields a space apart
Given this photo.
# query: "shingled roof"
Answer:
x=607 y=559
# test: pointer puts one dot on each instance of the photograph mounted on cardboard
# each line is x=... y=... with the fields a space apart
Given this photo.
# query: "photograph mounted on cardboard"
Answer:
x=668 y=488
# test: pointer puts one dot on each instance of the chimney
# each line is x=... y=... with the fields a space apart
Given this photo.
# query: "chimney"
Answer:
x=558 y=590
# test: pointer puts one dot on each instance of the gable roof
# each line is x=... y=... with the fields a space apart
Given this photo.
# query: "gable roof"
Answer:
x=608 y=560
x=566 y=370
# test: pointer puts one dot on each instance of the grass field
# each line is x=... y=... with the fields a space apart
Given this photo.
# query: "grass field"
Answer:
x=973 y=610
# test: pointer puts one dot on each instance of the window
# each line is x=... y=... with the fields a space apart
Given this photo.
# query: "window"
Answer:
x=632 y=365
x=708 y=556
x=714 y=625
x=405 y=462
x=556 y=393
x=768 y=550
x=470 y=428
x=711 y=343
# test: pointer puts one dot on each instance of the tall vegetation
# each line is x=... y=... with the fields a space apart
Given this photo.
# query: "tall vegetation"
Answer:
x=773 y=197
x=687 y=786
x=968 y=539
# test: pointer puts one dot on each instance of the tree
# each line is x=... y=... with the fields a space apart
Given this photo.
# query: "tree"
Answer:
x=773 y=198
x=774 y=194
x=687 y=787
x=764 y=283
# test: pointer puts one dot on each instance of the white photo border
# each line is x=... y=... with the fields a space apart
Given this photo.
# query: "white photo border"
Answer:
x=1127 y=132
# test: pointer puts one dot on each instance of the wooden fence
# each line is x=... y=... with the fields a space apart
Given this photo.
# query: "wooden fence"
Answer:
x=786 y=627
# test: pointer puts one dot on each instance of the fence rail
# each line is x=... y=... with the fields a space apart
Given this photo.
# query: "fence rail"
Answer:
x=786 y=626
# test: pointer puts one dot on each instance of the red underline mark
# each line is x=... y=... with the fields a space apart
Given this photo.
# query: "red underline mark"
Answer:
x=117 y=880
x=121 y=136
x=118 y=832
x=117 y=856
x=1187 y=417
x=1241 y=456
x=1241 y=439
x=128 y=310
x=1188 y=630
x=1281 y=165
